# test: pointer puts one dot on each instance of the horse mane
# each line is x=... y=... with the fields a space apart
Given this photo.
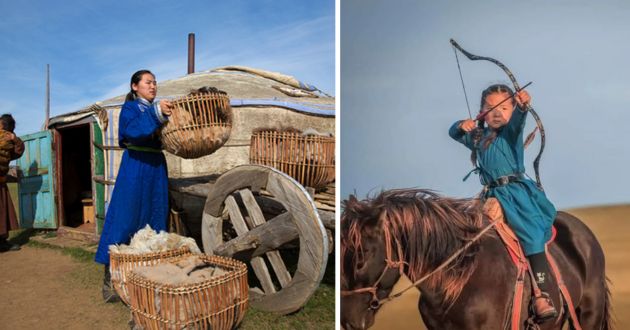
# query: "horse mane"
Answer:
x=427 y=227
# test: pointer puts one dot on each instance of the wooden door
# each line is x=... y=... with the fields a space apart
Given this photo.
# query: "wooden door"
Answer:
x=36 y=182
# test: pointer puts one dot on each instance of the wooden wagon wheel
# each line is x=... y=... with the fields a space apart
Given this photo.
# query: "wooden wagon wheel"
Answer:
x=257 y=239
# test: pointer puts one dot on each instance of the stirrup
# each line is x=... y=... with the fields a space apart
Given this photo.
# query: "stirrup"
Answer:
x=545 y=315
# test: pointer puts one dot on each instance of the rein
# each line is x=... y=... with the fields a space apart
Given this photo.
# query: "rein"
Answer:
x=375 y=303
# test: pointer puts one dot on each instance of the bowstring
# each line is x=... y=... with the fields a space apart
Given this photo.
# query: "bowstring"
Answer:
x=461 y=77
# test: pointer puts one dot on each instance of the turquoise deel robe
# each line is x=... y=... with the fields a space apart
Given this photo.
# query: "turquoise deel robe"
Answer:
x=140 y=196
x=527 y=210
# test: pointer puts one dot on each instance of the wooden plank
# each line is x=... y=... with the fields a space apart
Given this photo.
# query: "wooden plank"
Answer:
x=258 y=264
x=196 y=186
x=270 y=236
x=257 y=218
x=327 y=218
x=324 y=206
x=211 y=232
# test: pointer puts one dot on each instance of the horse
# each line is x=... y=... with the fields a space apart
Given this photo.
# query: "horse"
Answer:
x=417 y=232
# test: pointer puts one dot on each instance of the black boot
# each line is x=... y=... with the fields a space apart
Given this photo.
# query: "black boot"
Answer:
x=542 y=305
x=6 y=246
x=109 y=294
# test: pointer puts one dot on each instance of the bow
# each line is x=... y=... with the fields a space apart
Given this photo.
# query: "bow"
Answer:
x=528 y=107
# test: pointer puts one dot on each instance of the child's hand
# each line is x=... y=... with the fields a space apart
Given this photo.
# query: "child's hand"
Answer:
x=166 y=106
x=467 y=125
x=522 y=98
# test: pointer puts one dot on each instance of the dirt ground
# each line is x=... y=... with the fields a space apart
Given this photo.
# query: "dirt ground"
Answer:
x=611 y=225
x=44 y=289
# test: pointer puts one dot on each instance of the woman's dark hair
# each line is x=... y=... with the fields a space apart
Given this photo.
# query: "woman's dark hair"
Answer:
x=478 y=132
x=135 y=79
x=8 y=123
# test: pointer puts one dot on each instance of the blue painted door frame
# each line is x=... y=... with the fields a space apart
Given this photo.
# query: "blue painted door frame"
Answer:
x=36 y=185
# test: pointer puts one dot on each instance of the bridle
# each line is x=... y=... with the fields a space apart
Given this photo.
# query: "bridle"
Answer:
x=376 y=303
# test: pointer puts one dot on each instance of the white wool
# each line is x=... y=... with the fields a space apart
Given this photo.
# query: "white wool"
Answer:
x=312 y=131
x=147 y=240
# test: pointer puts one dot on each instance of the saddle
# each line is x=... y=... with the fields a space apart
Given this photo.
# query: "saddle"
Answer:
x=492 y=209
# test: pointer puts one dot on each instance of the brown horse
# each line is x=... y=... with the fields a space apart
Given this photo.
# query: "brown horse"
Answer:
x=414 y=231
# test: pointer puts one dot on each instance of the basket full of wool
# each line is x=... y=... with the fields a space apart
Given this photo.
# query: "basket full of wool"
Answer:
x=200 y=123
x=189 y=292
x=308 y=156
x=147 y=247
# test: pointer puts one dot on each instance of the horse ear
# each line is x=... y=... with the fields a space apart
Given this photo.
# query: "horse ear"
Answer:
x=349 y=203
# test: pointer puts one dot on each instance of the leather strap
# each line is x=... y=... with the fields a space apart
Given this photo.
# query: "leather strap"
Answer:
x=517 y=301
x=564 y=290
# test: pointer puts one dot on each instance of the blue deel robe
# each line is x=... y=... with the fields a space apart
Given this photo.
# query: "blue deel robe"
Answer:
x=140 y=196
x=526 y=208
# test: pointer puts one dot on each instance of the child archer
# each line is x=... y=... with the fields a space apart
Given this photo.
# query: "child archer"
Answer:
x=497 y=151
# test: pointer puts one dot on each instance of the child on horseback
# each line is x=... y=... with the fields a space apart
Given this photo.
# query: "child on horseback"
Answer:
x=497 y=152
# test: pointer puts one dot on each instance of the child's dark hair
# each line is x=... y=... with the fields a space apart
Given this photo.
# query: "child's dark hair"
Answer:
x=135 y=79
x=478 y=132
x=8 y=123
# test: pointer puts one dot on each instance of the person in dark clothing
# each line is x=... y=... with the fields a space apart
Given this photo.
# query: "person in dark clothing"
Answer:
x=11 y=147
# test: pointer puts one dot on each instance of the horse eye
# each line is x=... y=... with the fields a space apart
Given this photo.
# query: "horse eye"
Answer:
x=360 y=265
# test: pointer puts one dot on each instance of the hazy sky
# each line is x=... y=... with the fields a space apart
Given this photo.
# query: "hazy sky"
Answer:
x=93 y=47
x=401 y=91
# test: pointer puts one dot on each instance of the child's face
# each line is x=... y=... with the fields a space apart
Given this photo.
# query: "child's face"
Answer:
x=500 y=115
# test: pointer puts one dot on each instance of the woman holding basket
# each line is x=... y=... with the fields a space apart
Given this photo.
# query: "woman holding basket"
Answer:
x=140 y=196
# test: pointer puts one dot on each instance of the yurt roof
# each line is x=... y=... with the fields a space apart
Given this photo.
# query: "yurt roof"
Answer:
x=245 y=86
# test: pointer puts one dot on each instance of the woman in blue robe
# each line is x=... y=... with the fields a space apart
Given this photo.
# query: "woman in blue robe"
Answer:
x=498 y=153
x=140 y=196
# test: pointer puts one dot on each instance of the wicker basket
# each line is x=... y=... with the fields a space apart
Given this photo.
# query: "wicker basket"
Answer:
x=121 y=264
x=217 y=303
x=310 y=159
x=199 y=125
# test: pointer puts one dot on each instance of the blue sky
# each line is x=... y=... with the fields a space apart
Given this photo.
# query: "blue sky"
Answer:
x=401 y=91
x=93 y=47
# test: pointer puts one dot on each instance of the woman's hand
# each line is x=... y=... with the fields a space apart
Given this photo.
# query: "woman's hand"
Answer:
x=522 y=98
x=167 y=107
x=467 y=125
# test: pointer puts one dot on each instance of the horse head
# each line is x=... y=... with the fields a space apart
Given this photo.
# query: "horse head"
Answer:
x=410 y=231
x=368 y=272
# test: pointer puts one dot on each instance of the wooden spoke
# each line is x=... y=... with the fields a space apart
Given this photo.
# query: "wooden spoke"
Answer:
x=257 y=218
x=258 y=264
